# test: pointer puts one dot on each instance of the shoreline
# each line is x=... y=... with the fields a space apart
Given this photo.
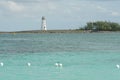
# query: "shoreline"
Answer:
x=57 y=31
x=48 y=31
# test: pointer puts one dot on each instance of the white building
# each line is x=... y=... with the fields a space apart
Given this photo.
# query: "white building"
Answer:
x=43 y=26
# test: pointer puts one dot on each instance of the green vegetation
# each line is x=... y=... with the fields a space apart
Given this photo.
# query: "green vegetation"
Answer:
x=101 y=26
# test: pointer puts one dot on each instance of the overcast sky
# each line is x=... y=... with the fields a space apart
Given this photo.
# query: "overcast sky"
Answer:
x=17 y=15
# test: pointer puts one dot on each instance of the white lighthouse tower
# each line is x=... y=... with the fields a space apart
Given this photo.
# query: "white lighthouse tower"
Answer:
x=43 y=26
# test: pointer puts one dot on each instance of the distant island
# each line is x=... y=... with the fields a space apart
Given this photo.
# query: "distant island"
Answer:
x=101 y=26
x=98 y=26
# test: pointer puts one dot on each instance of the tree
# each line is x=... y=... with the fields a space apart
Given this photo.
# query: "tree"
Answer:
x=102 y=26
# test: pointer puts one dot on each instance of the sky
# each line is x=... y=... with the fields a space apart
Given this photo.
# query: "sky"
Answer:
x=19 y=15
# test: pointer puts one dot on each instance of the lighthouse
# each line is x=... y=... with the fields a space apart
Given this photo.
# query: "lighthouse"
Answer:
x=43 y=26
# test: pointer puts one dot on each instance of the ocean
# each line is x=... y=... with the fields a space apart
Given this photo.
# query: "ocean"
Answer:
x=84 y=56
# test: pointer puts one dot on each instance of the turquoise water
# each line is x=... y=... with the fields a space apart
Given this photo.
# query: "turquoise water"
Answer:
x=85 y=56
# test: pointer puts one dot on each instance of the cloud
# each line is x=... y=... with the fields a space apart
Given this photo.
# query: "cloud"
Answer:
x=115 y=14
x=101 y=8
x=12 y=6
x=32 y=1
x=108 y=11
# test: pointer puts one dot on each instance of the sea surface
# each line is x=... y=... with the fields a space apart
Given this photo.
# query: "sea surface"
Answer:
x=84 y=56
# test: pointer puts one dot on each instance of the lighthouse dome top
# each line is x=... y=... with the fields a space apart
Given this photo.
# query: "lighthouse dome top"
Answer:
x=43 y=18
